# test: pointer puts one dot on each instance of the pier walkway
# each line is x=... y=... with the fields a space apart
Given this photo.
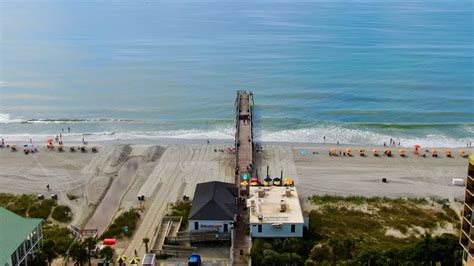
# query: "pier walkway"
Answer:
x=241 y=241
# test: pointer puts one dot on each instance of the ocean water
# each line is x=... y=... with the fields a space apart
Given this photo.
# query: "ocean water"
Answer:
x=357 y=72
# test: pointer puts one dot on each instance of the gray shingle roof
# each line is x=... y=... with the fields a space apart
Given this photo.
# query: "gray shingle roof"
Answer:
x=214 y=201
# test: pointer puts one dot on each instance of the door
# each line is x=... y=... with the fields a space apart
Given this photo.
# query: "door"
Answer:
x=226 y=228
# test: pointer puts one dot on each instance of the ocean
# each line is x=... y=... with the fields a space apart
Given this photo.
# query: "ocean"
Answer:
x=357 y=72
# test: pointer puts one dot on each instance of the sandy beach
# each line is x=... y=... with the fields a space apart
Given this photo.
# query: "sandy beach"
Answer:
x=109 y=181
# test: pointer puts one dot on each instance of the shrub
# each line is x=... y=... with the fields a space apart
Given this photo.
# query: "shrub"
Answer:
x=128 y=218
x=62 y=214
x=41 y=209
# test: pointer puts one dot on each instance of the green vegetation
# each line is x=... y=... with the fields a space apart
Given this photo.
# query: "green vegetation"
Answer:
x=367 y=231
x=56 y=239
x=18 y=204
x=181 y=208
x=62 y=214
x=41 y=209
x=71 y=196
x=128 y=218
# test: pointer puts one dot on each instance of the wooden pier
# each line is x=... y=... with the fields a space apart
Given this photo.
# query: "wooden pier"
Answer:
x=241 y=241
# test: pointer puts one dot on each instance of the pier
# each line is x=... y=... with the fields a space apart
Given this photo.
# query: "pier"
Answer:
x=241 y=241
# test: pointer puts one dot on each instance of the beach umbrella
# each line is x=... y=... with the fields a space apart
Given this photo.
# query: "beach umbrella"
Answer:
x=401 y=151
x=434 y=151
x=245 y=176
x=244 y=183
x=349 y=150
x=267 y=181
x=277 y=181
x=50 y=141
x=448 y=151
x=417 y=146
x=287 y=181
x=462 y=152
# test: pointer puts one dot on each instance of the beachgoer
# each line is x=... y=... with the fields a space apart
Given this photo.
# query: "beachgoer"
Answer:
x=391 y=140
x=83 y=141
x=338 y=142
x=60 y=135
x=385 y=144
x=68 y=129
x=47 y=186
x=399 y=143
x=207 y=141
x=31 y=141
x=324 y=138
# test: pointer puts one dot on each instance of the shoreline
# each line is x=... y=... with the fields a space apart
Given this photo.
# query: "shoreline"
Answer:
x=184 y=141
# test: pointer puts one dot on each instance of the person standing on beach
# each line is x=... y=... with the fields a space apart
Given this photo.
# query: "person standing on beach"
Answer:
x=31 y=141
x=324 y=138
x=69 y=129
x=207 y=142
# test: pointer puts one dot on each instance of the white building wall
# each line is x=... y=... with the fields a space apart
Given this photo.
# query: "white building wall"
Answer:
x=207 y=225
x=269 y=231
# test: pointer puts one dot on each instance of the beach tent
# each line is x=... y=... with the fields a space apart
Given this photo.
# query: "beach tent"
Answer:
x=267 y=181
x=287 y=181
x=277 y=181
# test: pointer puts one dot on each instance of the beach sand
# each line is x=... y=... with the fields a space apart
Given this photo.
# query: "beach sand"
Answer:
x=108 y=182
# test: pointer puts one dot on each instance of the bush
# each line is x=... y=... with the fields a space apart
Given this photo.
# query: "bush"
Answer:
x=62 y=214
x=128 y=218
x=41 y=209
x=181 y=208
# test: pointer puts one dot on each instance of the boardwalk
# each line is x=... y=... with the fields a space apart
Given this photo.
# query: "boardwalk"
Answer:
x=244 y=162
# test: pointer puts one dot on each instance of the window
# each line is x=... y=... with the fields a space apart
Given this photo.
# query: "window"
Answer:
x=196 y=225
x=259 y=228
x=293 y=228
x=226 y=227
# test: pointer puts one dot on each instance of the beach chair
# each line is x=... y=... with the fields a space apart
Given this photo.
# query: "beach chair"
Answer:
x=434 y=153
x=463 y=154
x=72 y=149
x=83 y=149
x=94 y=149
x=449 y=153
x=376 y=152
x=349 y=152
x=402 y=153
x=362 y=152
x=14 y=148
x=60 y=148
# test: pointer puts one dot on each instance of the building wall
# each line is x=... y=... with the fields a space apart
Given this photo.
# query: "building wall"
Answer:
x=269 y=231
x=207 y=225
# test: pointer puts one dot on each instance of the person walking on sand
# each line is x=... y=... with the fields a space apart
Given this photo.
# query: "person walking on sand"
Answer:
x=208 y=142
x=31 y=141
x=338 y=142
x=324 y=139
x=47 y=187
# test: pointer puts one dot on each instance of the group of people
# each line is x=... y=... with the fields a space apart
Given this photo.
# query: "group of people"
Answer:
x=392 y=143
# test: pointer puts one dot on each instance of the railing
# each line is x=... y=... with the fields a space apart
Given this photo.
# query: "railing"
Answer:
x=199 y=238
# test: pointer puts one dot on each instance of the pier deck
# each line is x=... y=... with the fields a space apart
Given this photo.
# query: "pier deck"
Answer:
x=244 y=160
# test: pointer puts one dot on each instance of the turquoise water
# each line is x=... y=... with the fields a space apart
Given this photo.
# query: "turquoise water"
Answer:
x=355 y=72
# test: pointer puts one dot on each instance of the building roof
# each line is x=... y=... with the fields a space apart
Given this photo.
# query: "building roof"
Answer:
x=267 y=209
x=214 y=201
x=14 y=229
